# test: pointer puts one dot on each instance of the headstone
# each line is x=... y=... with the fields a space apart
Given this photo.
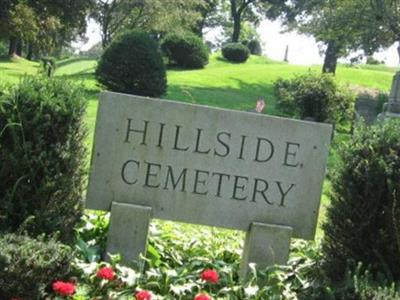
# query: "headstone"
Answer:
x=392 y=107
x=196 y=164
x=366 y=107
x=286 y=57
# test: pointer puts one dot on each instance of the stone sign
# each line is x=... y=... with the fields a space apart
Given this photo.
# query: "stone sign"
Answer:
x=189 y=163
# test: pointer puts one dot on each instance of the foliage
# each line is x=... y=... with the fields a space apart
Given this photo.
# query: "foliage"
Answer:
x=177 y=256
x=94 y=52
x=23 y=23
x=235 y=52
x=42 y=25
x=381 y=99
x=48 y=65
x=314 y=96
x=3 y=48
x=333 y=23
x=42 y=157
x=157 y=16
x=185 y=50
x=91 y=236
x=366 y=287
x=254 y=47
x=373 y=61
x=363 y=219
x=133 y=64
x=28 y=266
x=250 y=11
x=208 y=11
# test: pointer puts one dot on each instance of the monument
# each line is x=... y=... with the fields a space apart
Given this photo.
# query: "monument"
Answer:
x=392 y=107
x=196 y=164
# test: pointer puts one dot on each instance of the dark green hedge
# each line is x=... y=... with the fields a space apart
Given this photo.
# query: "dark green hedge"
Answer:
x=29 y=266
x=363 y=220
x=133 y=64
x=186 y=50
x=315 y=96
x=42 y=157
x=235 y=52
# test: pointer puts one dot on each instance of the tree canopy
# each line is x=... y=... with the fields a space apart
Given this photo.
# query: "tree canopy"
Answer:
x=42 y=24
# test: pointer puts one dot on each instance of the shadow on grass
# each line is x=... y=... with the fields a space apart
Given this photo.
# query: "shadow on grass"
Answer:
x=220 y=58
x=68 y=61
x=85 y=73
x=242 y=96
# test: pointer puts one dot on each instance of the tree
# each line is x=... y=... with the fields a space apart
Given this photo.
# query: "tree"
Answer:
x=208 y=11
x=60 y=22
x=164 y=16
x=387 y=14
x=157 y=16
x=29 y=21
x=112 y=14
x=342 y=25
x=23 y=26
x=252 y=11
x=240 y=10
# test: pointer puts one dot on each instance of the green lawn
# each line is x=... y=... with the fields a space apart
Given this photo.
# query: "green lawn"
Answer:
x=221 y=84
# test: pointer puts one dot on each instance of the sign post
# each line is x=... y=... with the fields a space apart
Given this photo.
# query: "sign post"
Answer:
x=196 y=164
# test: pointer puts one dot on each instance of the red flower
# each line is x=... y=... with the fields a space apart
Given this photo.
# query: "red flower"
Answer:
x=143 y=295
x=202 y=297
x=210 y=275
x=105 y=273
x=64 y=288
x=16 y=298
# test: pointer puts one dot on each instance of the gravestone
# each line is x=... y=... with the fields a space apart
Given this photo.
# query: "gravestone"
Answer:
x=392 y=107
x=196 y=164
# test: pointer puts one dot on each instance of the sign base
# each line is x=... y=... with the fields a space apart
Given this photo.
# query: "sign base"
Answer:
x=129 y=227
x=265 y=245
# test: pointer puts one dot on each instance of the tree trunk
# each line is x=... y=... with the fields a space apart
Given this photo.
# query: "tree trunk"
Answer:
x=19 y=47
x=29 y=56
x=236 y=28
x=236 y=16
x=331 y=58
x=12 y=49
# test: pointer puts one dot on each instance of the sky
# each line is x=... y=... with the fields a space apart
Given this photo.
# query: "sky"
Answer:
x=303 y=50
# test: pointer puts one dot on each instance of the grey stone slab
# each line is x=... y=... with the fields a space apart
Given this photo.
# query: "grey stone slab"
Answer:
x=394 y=95
x=266 y=245
x=129 y=226
x=209 y=166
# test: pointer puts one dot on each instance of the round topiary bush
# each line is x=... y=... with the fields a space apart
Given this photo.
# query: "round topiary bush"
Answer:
x=186 y=50
x=29 y=266
x=363 y=220
x=235 y=52
x=133 y=64
x=254 y=47
x=42 y=157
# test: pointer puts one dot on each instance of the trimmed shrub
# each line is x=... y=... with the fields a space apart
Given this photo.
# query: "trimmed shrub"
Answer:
x=28 y=266
x=42 y=157
x=235 y=52
x=314 y=96
x=48 y=64
x=185 y=50
x=373 y=61
x=363 y=221
x=133 y=64
x=254 y=47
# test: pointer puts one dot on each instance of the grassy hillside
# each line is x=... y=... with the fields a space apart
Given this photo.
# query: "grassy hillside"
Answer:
x=222 y=84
